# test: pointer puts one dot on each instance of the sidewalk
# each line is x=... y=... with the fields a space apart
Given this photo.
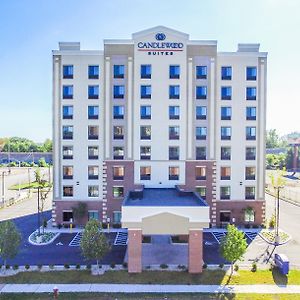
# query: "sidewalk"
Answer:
x=147 y=288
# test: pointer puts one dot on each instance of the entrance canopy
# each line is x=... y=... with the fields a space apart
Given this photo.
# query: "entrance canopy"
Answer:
x=164 y=211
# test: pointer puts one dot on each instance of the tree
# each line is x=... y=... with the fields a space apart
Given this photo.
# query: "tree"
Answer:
x=10 y=240
x=44 y=188
x=94 y=244
x=272 y=139
x=233 y=246
x=79 y=211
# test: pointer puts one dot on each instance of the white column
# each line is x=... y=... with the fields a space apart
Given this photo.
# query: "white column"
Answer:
x=129 y=109
x=212 y=106
x=107 y=118
x=190 y=104
x=57 y=128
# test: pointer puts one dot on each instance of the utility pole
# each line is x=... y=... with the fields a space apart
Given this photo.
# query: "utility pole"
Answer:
x=39 y=221
x=29 y=181
x=3 y=188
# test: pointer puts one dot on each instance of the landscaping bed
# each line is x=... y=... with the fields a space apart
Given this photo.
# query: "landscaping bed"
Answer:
x=42 y=239
x=270 y=235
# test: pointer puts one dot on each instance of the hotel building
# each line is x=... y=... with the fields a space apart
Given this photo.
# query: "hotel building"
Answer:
x=159 y=118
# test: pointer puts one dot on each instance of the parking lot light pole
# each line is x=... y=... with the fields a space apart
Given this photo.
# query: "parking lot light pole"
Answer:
x=277 y=238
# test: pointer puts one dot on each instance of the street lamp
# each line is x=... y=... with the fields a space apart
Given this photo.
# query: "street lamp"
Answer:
x=277 y=216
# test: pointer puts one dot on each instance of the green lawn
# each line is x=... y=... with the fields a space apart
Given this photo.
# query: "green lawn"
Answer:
x=23 y=186
x=95 y=296
x=156 y=277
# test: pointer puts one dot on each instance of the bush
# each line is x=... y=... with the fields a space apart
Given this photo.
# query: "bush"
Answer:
x=112 y=265
x=51 y=267
x=164 y=266
x=66 y=225
x=255 y=226
x=247 y=226
x=116 y=225
x=7 y=267
x=27 y=267
x=272 y=222
x=204 y=266
x=125 y=265
x=181 y=267
x=39 y=266
x=236 y=268
x=78 y=266
x=221 y=266
x=16 y=267
x=88 y=266
x=45 y=224
x=66 y=266
x=59 y=226
x=254 y=267
x=104 y=225
x=148 y=267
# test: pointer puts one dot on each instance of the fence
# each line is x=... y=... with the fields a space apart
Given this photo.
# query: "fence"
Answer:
x=285 y=193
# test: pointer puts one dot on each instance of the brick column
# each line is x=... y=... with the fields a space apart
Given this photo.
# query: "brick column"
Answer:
x=195 y=250
x=134 y=250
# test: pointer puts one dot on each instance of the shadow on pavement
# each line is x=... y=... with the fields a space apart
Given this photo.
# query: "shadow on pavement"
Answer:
x=279 y=278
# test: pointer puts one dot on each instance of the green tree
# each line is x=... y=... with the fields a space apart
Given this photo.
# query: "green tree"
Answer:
x=94 y=244
x=42 y=163
x=233 y=246
x=10 y=240
x=47 y=145
x=79 y=211
x=272 y=139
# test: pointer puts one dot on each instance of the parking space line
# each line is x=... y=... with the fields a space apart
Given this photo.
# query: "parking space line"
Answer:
x=218 y=236
x=76 y=240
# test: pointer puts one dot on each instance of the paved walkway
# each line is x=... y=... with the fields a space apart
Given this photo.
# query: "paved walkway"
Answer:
x=147 y=288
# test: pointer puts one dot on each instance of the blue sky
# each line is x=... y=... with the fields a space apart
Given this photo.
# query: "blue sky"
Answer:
x=30 y=29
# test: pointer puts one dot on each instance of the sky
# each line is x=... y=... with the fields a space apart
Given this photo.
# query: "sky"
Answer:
x=31 y=29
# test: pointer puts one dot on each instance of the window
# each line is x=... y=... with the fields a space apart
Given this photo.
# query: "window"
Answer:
x=200 y=173
x=146 y=71
x=93 y=112
x=67 y=91
x=251 y=73
x=67 y=216
x=251 y=133
x=93 y=72
x=118 y=111
x=93 y=172
x=200 y=153
x=251 y=93
x=93 y=132
x=118 y=173
x=226 y=73
x=201 y=72
x=174 y=112
x=119 y=91
x=225 y=113
x=93 y=91
x=145 y=173
x=145 y=152
x=201 y=190
x=67 y=172
x=201 y=112
x=174 y=72
x=68 y=191
x=145 y=111
x=225 y=153
x=118 y=191
x=117 y=217
x=173 y=132
x=145 y=91
x=250 y=173
x=68 y=72
x=225 y=133
x=93 y=215
x=119 y=71
x=201 y=92
x=174 y=92
x=67 y=112
x=118 y=132
x=118 y=152
x=93 y=152
x=67 y=132
x=145 y=132
x=93 y=191
x=173 y=173
x=250 y=192
x=67 y=152
x=225 y=192
x=251 y=113
x=226 y=92
x=174 y=153
x=225 y=173
x=201 y=133
x=250 y=153
x=249 y=214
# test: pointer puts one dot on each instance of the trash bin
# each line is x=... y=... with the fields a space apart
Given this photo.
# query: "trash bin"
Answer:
x=283 y=263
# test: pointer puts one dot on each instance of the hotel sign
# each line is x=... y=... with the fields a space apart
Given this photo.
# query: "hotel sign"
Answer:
x=160 y=48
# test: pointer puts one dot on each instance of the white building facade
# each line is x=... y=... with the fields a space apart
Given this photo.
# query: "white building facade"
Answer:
x=157 y=111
